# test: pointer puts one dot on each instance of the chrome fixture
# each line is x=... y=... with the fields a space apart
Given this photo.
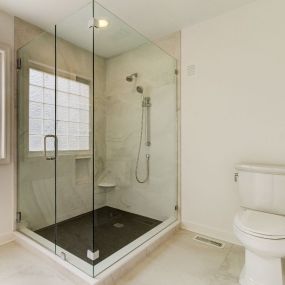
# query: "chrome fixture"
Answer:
x=131 y=77
x=18 y=217
x=236 y=177
x=55 y=147
x=63 y=256
x=145 y=120
x=147 y=104
x=93 y=255
x=140 y=89
x=145 y=123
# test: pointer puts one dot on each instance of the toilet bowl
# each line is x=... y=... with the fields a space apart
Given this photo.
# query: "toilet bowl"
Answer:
x=263 y=236
x=260 y=223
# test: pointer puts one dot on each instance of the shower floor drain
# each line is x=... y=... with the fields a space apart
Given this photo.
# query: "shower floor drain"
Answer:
x=118 y=225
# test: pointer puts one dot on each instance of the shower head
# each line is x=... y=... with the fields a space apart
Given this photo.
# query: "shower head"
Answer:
x=140 y=89
x=131 y=77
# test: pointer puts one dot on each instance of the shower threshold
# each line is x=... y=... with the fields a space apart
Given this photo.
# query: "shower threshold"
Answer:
x=115 y=265
x=113 y=230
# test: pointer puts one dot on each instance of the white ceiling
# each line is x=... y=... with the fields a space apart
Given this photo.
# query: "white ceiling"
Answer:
x=157 y=18
x=153 y=18
x=113 y=40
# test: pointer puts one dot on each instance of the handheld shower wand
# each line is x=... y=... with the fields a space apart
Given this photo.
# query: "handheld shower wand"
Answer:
x=145 y=112
x=145 y=121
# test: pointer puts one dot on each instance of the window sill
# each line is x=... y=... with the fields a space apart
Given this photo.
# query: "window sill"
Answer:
x=77 y=155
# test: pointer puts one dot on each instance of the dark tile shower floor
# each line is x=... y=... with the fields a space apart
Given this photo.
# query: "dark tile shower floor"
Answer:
x=113 y=230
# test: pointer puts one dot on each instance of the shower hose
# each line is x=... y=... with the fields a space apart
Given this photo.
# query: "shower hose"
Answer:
x=139 y=180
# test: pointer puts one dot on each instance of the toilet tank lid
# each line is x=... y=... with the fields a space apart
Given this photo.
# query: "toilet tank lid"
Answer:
x=262 y=168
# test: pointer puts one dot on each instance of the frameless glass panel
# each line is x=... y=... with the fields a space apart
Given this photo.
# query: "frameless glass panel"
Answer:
x=97 y=139
x=135 y=138
x=74 y=131
x=36 y=140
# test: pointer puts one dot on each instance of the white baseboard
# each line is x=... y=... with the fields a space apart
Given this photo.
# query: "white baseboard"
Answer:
x=226 y=236
x=6 y=238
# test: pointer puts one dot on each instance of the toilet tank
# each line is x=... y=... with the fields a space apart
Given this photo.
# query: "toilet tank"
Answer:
x=262 y=187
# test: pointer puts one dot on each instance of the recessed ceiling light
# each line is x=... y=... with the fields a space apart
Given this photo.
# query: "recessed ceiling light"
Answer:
x=98 y=23
x=102 y=23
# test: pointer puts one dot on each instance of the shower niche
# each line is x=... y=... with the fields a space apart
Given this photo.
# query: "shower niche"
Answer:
x=97 y=139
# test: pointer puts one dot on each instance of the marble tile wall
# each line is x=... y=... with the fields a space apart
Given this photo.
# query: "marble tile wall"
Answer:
x=156 y=74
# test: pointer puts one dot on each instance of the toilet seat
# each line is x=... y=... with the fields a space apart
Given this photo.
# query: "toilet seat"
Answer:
x=260 y=224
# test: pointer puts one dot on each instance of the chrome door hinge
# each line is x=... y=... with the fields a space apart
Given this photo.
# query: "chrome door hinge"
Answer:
x=93 y=255
x=19 y=63
x=63 y=256
x=18 y=217
x=236 y=177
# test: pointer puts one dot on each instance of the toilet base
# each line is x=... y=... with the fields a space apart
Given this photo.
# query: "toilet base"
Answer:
x=259 y=270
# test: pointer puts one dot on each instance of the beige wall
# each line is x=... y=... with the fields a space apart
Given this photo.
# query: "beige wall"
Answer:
x=232 y=108
x=7 y=170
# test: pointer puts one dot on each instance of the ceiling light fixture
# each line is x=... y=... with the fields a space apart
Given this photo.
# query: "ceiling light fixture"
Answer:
x=102 y=23
x=98 y=23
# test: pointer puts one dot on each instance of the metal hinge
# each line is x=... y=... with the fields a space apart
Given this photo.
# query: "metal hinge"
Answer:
x=236 y=177
x=176 y=207
x=93 y=255
x=18 y=217
x=176 y=72
x=19 y=63
x=63 y=256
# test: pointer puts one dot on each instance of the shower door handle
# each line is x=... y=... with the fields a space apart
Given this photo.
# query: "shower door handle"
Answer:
x=55 y=147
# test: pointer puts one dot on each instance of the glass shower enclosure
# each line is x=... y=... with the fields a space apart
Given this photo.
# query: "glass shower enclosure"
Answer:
x=97 y=139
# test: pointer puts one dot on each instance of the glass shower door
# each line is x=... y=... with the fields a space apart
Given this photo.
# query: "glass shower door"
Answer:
x=97 y=139
x=74 y=131
x=36 y=140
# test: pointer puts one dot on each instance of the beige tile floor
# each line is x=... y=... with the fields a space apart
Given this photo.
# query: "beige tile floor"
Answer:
x=183 y=261
x=21 y=267
x=179 y=261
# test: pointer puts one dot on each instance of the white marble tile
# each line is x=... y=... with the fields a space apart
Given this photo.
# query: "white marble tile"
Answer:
x=123 y=120
x=18 y=266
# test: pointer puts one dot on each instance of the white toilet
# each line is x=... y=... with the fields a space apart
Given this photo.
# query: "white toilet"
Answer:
x=260 y=223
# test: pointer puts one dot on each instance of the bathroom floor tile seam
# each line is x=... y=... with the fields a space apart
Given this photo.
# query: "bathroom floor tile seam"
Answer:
x=223 y=276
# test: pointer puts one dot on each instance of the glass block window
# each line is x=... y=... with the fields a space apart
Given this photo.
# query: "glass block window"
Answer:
x=72 y=112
